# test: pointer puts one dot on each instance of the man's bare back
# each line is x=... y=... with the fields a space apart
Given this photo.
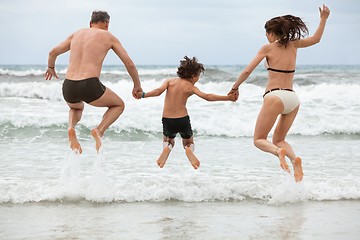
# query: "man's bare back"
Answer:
x=88 y=50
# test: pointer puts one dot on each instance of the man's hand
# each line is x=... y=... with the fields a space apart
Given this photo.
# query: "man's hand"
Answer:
x=50 y=72
x=136 y=90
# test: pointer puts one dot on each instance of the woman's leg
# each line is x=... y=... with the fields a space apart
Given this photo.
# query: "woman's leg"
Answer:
x=269 y=112
x=282 y=128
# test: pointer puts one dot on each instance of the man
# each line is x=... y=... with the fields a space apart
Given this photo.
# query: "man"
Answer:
x=88 y=50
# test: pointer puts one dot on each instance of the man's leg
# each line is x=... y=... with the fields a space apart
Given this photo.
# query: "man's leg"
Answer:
x=75 y=114
x=115 y=107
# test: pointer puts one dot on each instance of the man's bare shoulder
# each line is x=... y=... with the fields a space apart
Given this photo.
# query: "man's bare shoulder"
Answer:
x=82 y=30
x=94 y=31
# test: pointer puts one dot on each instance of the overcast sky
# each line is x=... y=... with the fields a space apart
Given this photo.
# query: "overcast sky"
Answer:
x=163 y=31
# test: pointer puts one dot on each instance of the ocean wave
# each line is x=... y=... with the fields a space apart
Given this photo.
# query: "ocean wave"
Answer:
x=22 y=73
x=35 y=90
x=325 y=109
x=199 y=188
x=305 y=74
x=39 y=130
x=28 y=71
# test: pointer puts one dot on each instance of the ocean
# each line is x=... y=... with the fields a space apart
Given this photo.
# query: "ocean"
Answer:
x=239 y=192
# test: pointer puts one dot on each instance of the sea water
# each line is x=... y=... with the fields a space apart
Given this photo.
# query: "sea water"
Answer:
x=238 y=192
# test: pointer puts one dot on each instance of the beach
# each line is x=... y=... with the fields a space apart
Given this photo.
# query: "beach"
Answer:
x=239 y=192
x=181 y=220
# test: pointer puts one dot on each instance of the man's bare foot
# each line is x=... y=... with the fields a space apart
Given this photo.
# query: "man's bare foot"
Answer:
x=298 y=172
x=192 y=158
x=163 y=157
x=74 y=143
x=281 y=153
x=97 y=136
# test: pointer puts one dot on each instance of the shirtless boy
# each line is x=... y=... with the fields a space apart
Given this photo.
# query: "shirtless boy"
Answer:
x=88 y=48
x=175 y=117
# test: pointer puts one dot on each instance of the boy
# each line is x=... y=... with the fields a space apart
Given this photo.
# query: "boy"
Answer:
x=175 y=117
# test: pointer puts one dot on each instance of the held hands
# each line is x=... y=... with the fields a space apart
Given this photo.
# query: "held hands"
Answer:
x=233 y=94
x=324 y=12
x=232 y=97
x=137 y=92
x=50 y=72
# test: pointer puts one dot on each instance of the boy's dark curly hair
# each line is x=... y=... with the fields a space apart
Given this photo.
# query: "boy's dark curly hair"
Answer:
x=189 y=68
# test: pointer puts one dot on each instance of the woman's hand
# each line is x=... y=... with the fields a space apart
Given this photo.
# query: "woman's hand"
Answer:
x=324 y=12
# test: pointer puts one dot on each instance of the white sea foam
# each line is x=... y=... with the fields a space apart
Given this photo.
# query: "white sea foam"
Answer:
x=99 y=188
x=325 y=108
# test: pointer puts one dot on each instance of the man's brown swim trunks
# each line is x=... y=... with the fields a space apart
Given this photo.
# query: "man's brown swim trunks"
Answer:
x=87 y=90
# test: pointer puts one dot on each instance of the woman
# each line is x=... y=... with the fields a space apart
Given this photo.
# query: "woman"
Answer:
x=285 y=35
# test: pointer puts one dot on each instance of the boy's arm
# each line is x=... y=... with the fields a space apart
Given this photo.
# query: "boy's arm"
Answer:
x=154 y=93
x=213 y=97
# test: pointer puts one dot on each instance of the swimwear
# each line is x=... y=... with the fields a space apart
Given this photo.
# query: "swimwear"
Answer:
x=87 y=90
x=278 y=70
x=287 y=96
x=172 y=126
x=282 y=71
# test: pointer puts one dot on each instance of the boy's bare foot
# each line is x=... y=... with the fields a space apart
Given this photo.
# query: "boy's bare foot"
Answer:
x=298 y=172
x=163 y=157
x=281 y=153
x=97 y=136
x=74 y=143
x=192 y=158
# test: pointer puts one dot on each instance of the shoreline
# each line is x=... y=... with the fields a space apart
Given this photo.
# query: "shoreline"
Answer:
x=181 y=220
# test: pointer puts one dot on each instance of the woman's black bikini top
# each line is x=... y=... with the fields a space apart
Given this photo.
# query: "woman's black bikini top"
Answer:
x=282 y=71
x=277 y=70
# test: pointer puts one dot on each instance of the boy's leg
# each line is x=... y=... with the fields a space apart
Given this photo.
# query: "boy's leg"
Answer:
x=75 y=114
x=189 y=150
x=168 y=145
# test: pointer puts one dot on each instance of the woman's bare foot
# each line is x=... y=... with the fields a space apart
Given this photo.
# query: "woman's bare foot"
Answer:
x=298 y=172
x=192 y=158
x=163 y=157
x=281 y=153
x=74 y=143
x=97 y=136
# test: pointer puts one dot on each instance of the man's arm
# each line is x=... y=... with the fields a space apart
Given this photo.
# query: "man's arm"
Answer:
x=56 y=51
x=129 y=64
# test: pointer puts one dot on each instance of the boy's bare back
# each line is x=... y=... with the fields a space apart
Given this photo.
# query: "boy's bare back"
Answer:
x=178 y=91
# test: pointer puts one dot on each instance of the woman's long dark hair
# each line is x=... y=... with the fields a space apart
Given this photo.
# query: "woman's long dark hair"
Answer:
x=287 y=27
